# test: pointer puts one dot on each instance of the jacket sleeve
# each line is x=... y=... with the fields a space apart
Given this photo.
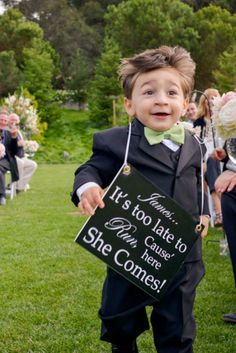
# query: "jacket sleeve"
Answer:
x=101 y=168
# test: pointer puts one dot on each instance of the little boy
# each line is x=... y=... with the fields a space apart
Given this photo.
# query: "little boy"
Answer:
x=157 y=84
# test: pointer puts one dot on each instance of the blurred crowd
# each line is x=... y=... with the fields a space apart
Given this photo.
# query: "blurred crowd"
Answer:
x=213 y=119
x=198 y=117
x=13 y=158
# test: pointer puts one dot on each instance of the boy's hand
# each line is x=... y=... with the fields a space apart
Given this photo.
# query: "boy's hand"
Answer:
x=205 y=222
x=91 y=198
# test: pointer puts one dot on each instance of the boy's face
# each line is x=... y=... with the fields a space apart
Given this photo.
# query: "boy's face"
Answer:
x=157 y=99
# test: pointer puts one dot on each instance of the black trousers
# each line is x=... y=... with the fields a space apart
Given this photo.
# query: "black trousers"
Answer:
x=228 y=204
x=124 y=317
x=212 y=172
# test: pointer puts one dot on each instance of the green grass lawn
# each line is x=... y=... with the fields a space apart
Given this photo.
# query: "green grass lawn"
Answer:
x=50 y=286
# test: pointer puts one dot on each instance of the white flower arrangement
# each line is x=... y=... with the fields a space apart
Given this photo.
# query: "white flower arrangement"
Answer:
x=24 y=108
x=224 y=115
x=189 y=126
x=30 y=146
x=2 y=150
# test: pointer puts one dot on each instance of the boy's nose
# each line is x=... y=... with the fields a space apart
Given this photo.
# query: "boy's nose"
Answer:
x=160 y=99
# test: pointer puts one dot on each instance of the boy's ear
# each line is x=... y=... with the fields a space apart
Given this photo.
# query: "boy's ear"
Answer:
x=185 y=105
x=129 y=107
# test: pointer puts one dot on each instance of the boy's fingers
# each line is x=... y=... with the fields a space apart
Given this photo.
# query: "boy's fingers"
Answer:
x=99 y=202
x=86 y=208
x=88 y=204
x=81 y=208
x=95 y=199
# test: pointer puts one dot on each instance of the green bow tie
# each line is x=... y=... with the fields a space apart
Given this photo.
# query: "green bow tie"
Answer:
x=175 y=134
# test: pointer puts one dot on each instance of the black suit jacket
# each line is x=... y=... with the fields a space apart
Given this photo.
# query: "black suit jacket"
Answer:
x=11 y=151
x=152 y=161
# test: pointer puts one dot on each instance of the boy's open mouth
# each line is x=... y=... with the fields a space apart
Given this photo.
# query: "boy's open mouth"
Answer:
x=161 y=114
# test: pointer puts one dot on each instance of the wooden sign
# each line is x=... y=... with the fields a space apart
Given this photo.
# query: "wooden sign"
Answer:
x=141 y=233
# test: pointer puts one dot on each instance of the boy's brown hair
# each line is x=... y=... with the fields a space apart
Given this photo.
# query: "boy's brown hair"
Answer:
x=151 y=59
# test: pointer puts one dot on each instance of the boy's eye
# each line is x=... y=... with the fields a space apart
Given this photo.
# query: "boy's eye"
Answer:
x=172 y=93
x=148 y=92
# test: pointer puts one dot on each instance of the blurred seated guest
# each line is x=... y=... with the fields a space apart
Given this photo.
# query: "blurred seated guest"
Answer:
x=213 y=169
x=26 y=166
x=191 y=113
x=226 y=184
x=2 y=151
x=8 y=150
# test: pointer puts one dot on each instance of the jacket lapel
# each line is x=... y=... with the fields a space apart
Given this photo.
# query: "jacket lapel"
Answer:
x=187 y=151
x=155 y=151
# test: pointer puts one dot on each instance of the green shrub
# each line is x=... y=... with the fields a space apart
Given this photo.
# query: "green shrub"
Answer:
x=68 y=138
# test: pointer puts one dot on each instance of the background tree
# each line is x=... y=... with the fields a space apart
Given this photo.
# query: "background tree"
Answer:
x=229 y=5
x=136 y=25
x=81 y=72
x=67 y=28
x=131 y=27
x=102 y=3
x=205 y=33
x=225 y=75
x=217 y=32
x=31 y=59
x=38 y=69
x=105 y=85
x=9 y=73
x=126 y=27
x=17 y=34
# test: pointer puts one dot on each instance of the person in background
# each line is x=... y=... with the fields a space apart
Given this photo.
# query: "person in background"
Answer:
x=157 y=84
x=213 y=169
x=204 y=113
x=226 y=185
x=8 y=139
x=26 y=167
x=191 y=113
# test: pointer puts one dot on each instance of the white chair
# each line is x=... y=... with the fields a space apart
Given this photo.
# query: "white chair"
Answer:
x=11 y=191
